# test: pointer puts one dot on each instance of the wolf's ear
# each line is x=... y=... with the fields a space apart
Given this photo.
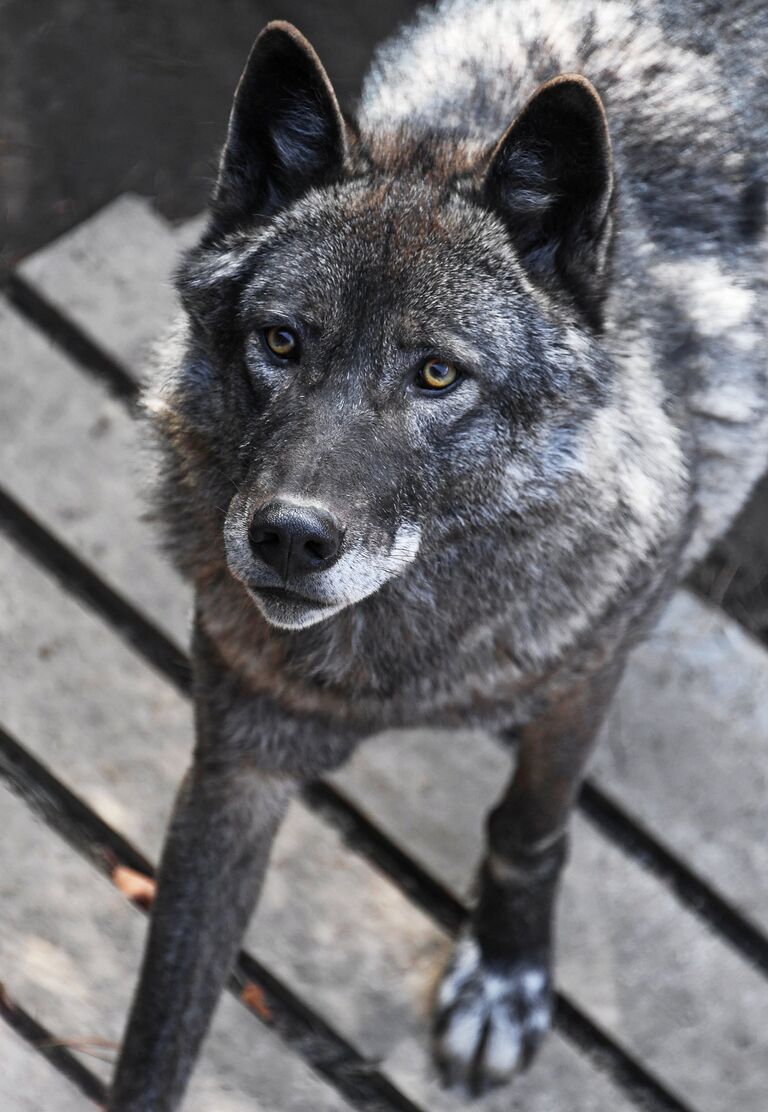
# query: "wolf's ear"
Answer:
x=286 y=132
x=550 y=179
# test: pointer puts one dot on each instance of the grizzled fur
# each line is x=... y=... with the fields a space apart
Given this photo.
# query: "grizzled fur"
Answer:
x=596 y=269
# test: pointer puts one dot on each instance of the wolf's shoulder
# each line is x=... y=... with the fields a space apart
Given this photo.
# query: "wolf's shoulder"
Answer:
x=686 y=98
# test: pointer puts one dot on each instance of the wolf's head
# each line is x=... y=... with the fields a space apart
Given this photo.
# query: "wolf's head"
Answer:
x=393 y=335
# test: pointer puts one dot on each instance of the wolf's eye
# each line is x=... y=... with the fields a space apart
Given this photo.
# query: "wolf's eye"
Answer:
x=281 y=341
x=436 y=375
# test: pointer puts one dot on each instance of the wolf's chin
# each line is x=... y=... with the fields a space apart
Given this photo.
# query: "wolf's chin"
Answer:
x=291 y=614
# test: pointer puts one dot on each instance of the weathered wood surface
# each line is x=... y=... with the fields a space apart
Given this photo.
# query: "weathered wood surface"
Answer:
x=28 y=1083
x=70 y=949
x=684 y=751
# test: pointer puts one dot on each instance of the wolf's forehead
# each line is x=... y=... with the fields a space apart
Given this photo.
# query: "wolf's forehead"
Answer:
x=422 y=259
x=393 y=225
x=362 y=296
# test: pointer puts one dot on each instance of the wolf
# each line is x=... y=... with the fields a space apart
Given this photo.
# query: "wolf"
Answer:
x=463 y=385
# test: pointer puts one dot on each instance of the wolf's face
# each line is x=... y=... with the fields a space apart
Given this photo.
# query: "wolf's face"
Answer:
x=396 y=362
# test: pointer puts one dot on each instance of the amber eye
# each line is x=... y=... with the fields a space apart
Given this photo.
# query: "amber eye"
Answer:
x=281 y=341
x=437 y=375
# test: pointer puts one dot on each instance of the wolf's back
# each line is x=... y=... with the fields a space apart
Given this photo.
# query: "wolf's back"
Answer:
x=735 y=36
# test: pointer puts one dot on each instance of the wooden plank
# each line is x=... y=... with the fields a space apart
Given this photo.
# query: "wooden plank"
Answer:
x=684 y=749
x=111 y=275
x=70 y=948
x=28 y=1083
x=73 y=455
x=336 y=930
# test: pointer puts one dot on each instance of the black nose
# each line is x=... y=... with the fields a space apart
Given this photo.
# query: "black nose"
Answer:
x=294 y=539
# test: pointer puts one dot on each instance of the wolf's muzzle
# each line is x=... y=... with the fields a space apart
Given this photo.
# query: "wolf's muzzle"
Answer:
x=294 y=540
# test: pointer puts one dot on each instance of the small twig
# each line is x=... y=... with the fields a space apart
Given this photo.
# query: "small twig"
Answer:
x=84 y=1046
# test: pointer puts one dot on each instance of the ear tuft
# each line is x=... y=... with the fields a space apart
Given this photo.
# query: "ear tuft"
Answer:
x=286 y=132
x=550 y=178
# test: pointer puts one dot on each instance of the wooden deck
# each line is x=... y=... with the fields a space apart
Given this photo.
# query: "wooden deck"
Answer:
x=663 y=931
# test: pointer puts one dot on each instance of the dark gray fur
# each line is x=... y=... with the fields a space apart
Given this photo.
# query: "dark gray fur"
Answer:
x=505 y=544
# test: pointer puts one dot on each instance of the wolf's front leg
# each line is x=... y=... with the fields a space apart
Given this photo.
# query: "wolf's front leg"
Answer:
x=213 y=863
x=494 y=1004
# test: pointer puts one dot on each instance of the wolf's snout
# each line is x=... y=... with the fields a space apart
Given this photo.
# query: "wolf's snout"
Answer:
x=293 y=540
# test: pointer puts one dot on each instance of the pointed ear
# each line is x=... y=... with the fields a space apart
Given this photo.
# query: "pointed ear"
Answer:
x=550 y=178
x=286 y=132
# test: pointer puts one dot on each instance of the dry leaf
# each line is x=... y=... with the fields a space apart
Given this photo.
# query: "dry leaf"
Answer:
x=140 y=889
x=253 y=997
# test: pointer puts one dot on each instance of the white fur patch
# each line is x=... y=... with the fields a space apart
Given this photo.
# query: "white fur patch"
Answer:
x=462 y=1036
x=715 y=300
x=361 y=570
x=504 y=1046
x=466 y=959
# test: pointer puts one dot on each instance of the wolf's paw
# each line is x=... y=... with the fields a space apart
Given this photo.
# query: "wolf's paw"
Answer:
x=490 y=1018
